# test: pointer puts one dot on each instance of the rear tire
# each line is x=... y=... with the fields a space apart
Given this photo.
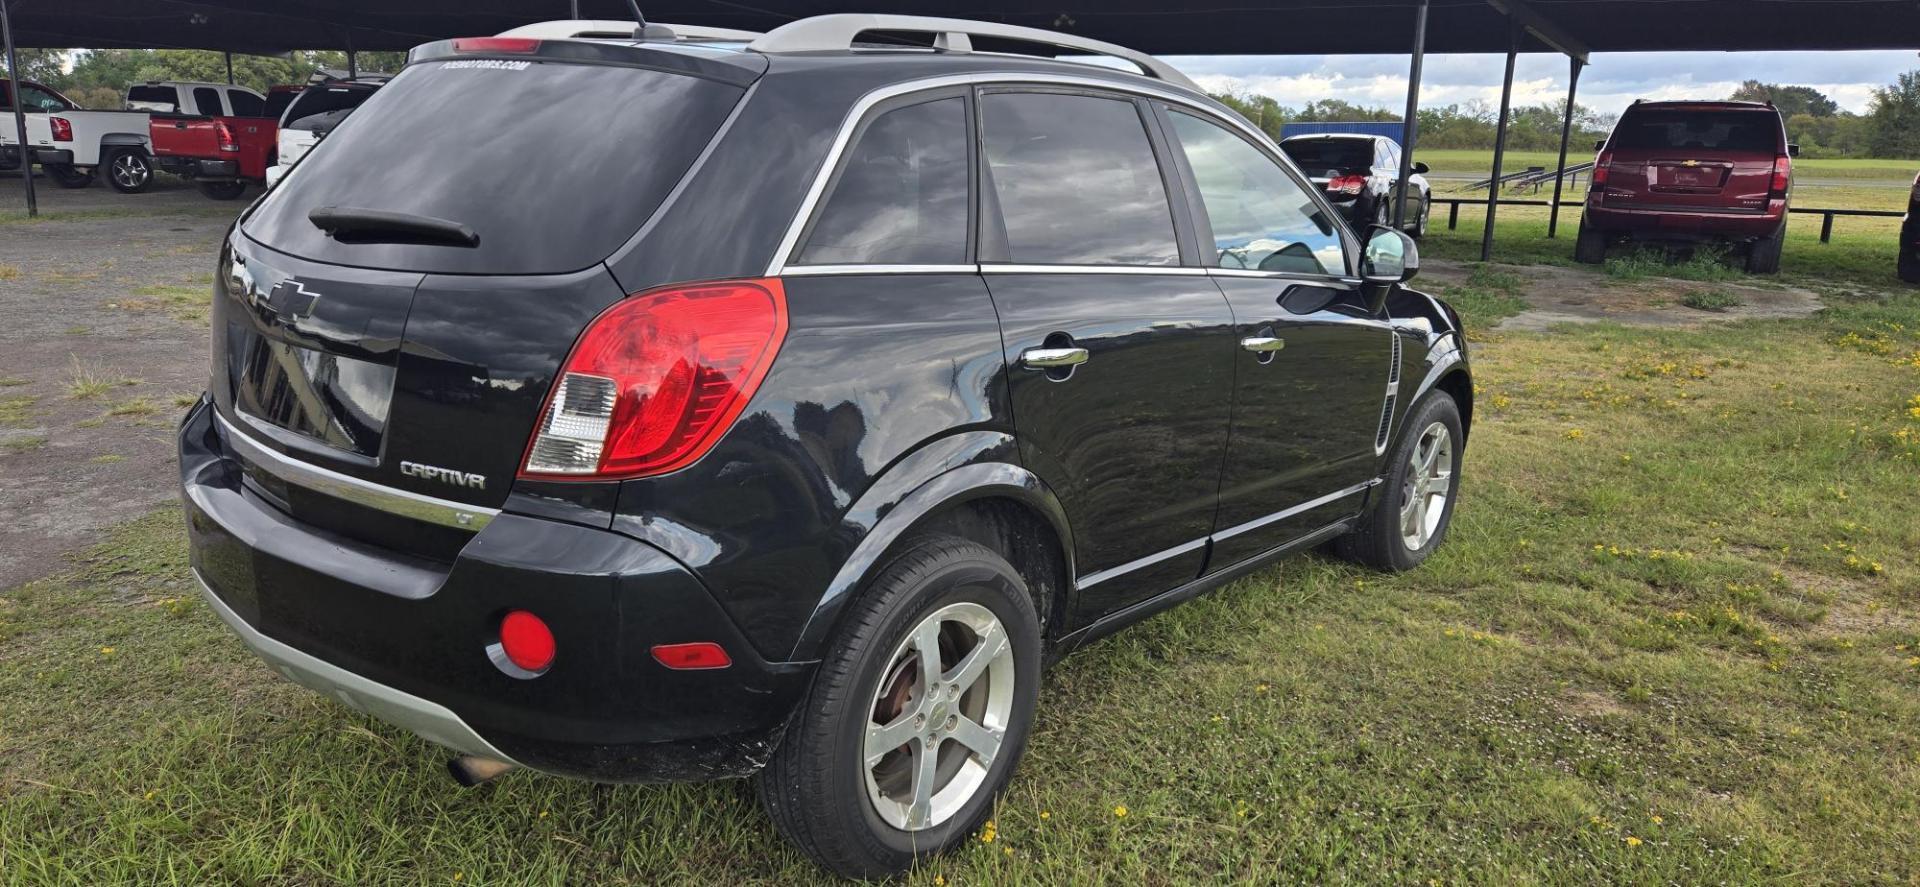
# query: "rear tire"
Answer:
x=835 y=789
x=66 y=176
x=1401 y=527
x=1420 y=222
x=1590 y=247
x=1764 y=257
x=223 y=190
x=128 y=170
x=1910 y=265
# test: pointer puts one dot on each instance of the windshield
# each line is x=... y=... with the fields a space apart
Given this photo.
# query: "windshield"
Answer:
x=552 y=165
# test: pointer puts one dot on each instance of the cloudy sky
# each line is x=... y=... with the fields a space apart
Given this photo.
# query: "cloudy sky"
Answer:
x=1611 y=82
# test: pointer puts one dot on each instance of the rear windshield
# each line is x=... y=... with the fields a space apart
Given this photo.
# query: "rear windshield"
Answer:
x=322 y=107
x=1319 y=155
x=277 y=102
x=554 y=165
x=163 y=99
x=1757 y=131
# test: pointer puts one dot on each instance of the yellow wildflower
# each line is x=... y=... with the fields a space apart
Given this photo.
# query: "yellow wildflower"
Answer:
x=1120 y=811
x=1633 y=841
x=106 y=651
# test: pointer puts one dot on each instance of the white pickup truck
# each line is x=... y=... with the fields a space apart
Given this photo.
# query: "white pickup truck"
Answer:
x=73 y=143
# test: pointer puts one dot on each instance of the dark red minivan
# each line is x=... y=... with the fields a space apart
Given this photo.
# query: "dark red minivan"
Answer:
x=1692 y=171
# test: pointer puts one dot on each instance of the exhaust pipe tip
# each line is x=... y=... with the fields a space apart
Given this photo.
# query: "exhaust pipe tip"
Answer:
x=472 y=770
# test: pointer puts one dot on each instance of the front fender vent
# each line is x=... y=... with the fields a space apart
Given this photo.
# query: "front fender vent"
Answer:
x=1393 y=394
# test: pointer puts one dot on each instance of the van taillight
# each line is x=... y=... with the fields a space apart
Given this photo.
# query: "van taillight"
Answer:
x=1782 y=173
x=1600 y=166
x=510 y=45
x=62 y=129
x=656 y=379
x=225 y=134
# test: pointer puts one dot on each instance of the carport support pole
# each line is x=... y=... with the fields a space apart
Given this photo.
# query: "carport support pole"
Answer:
x=1566 y=131
x=19 y=112
x=1410 y=126
x=1500 y=144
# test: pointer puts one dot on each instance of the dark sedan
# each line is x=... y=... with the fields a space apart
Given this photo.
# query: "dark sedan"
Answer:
x=1361 y=175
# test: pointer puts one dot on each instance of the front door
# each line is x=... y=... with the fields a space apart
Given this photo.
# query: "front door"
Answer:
x=1120 y=357
x=1312 y=365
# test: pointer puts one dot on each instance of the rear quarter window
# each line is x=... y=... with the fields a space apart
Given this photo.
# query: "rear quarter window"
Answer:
x=554 y=165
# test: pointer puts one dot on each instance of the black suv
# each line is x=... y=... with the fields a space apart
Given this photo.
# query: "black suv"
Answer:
x=684 y=406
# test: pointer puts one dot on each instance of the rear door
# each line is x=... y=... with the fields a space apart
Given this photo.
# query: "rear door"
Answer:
x=1311 y=367
x=1714 y=160
x=1119 y=354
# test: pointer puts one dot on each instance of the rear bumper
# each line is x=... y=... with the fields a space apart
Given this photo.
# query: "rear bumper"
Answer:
x=405 y=639
x=10 y=157
x=196 y=168
x=1684 y=223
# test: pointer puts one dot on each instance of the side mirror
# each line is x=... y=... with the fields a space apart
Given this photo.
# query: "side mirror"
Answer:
x=1793 y=150
x=1600 y=145
x=1391 y=258
x=1420 y=168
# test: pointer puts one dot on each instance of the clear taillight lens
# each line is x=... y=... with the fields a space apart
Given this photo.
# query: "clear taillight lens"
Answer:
x=656 y=379
x=62 y=129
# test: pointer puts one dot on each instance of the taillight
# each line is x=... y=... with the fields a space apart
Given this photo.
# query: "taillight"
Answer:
x=225 y=134
x=62 y=129
x=1347 y=185
x=1782 y=173
x=513 y=45
x=1601 y=165
x=656 y=379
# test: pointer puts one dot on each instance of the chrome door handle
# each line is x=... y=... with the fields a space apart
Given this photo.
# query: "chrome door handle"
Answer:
x=1049 y=358
x=1263 y=344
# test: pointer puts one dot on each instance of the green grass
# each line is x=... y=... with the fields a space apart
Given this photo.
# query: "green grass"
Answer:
x=1672 y=639
x=1694 y=264
x=188 y=303
x=1710 y=300
x=1489 y=296
x=16 y=409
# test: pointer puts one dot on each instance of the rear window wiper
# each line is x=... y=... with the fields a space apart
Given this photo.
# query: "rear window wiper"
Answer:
x=349 y=224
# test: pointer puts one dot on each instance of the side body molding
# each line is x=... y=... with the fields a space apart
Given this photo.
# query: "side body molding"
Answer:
x=957 y=469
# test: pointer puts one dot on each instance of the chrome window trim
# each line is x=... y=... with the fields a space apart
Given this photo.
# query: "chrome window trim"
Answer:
x=851 y=123
x=417 y=506
x=1303 y=277
x=1099 y=576
x=1257 y=523
x=829 y=270
x=1014 y=268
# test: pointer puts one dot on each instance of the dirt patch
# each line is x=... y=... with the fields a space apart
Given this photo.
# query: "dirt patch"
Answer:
x=1556 y=295
x=94 y=369
x=1589 y=704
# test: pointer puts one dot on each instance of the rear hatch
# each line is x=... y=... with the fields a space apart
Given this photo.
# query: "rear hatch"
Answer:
x=418 y=361
x=315 y=112
x=1326 y=159
x=1693 y=160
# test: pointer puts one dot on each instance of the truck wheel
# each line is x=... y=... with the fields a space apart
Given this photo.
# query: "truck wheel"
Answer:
x=1590 y=248
x=66 y=176
x=1764 y=257
x=129 y=171
x=917 y=715
x=223 y=190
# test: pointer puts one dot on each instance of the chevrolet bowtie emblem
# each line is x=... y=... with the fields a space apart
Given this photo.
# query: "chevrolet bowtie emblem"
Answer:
x=292 y=300
x=1693 y=163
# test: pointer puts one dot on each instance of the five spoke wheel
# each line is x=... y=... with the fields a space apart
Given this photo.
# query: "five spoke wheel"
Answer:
x=1429 y=481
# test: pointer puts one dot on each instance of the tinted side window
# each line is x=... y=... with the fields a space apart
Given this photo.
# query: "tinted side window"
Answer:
x=901 y=198
x=1076 y=181
x=1262 y=219
x=40 y=101
x=207 y=99
x=246 y=104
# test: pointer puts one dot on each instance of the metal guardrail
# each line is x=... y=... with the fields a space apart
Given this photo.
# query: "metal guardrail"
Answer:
x=1826 y=223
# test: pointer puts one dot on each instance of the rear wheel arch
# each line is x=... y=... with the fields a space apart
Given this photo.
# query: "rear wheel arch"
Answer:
x=1020 y=533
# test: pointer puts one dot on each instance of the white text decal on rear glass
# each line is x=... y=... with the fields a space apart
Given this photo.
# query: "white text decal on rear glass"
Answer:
x=491 y=64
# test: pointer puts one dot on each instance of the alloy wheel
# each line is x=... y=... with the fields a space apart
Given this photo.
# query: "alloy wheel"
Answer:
x=1429 y=483
x=130 y=171
x=938 y=717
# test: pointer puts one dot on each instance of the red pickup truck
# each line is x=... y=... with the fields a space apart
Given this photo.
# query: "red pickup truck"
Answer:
x=222 y=152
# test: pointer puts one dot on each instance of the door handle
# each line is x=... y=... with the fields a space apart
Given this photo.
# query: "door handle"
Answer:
x=1050 y=358
x=1263 y=344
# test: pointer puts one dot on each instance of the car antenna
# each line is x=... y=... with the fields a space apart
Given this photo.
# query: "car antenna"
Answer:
x=646 y=31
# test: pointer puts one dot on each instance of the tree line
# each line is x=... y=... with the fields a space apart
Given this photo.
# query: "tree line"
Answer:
x=1889 y=129
x=99 y=77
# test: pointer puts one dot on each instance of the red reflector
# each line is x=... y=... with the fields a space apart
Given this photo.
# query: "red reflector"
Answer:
x=518 y=45
x=689 y=657
x=526 y=640
x=62 y=129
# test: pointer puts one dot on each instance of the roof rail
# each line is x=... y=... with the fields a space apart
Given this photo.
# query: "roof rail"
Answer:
x=827 y=33
x=616 y=29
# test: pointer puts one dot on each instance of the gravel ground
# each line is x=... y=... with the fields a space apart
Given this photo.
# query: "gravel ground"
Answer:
x=103 y=339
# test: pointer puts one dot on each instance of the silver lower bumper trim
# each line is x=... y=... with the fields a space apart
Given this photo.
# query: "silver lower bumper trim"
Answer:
x=430 y=720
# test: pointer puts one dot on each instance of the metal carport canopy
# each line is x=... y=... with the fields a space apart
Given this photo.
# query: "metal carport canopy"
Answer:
x=1209 y=27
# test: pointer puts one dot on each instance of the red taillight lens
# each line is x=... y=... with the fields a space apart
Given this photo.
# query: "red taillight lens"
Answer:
x=1601 y=165
x=225 y=134
x=526 y=640
x=656 y=379
x=62 y=129
x=1782 y=173
x=1347 y=185
x=515 y=45
x=689 y=657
